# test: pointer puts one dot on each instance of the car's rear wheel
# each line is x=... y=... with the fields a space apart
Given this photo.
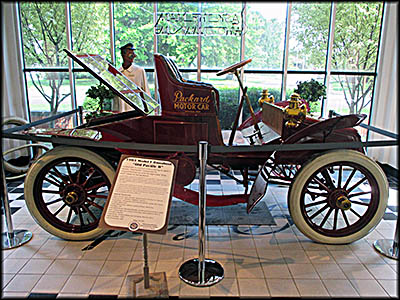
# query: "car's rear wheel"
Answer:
x=338 y=197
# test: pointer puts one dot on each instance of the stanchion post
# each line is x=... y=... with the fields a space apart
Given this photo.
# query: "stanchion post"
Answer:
x=201 y=271
x=12 y=238
x=202 y=208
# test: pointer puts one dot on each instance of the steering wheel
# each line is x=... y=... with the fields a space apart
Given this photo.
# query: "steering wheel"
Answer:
x=234 y=67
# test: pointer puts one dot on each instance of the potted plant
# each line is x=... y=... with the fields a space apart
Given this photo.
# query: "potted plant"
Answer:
x=313 y=92
x=99 y=102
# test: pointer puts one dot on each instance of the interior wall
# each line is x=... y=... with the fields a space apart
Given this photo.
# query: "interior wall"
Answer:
x=385 y=109
x=13 y=101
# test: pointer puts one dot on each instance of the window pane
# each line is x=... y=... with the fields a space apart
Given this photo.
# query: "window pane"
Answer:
x=44 y=34
x=134 y=24
x=293 y=80
x=83 y=81
x=182 y=49
x=220 y=82
x=350 y=94
x=150 y=81
x=90 y=28
x=256 y=83
x=309 y=31
x=181 y=43
x=265 y=34
x=259 y=82
x=357 y=30
x=221 y=48
x=49 y=94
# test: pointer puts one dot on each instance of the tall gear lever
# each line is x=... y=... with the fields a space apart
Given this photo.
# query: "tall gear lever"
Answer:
x=234 y=69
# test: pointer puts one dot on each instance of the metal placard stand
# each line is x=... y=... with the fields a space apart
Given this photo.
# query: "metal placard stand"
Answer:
x=389 y=247
x=148 y=285
x=201 y=271
x=131 y=207
x=12 y=238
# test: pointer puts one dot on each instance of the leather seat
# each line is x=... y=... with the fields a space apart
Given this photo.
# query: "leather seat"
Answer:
x=174 y=88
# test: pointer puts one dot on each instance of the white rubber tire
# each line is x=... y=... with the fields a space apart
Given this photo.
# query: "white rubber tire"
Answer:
x=302 y=176
x=8 y=166
x=49 y=157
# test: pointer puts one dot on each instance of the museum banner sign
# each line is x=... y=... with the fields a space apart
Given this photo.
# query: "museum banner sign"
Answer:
x=198 y=23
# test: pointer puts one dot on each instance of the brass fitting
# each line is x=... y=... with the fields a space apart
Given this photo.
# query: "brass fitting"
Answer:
x=295 y=112
x=71 y=198
x=265 y=97
x=343 y=203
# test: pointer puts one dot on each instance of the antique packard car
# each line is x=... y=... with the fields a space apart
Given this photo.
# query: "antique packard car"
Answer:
x=335 y=196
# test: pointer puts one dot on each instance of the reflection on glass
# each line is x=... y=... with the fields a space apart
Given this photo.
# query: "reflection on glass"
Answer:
x=134 y=24
x=49 y=94
x=265 y=34
x=350 y=94
x=44 y=33
x=356 y=39
x=90 y=28
x=308 y=39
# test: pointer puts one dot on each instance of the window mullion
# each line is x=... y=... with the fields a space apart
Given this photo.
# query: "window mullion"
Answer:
x=69 y=46
x=199 y=44
x=155 y=49
x=242 y=51
x=112 y=33
x=286 y=51
x=328 y=65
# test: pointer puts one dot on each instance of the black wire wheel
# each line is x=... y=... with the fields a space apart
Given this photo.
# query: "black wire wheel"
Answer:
x=66 y=191
x=338 y=197
x=284 y=173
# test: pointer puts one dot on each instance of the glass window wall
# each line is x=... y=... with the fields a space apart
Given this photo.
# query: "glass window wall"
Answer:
x=182 y=30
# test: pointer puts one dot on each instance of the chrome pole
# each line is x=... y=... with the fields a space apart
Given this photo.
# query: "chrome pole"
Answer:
x=11 y=238
x=201 y=271
x=202 y=208
x=6 y=204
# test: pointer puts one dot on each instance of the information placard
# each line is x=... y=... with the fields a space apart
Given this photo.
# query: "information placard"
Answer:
x=140 y=196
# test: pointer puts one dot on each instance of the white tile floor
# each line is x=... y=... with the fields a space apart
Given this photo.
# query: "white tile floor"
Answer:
x=268 y=262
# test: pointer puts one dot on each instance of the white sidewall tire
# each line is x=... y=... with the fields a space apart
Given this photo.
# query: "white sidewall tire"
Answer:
x=33 y=172
x=294 y=198
x=8 y=166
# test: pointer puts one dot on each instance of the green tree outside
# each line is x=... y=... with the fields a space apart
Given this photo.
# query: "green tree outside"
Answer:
x=44 y=37
x=355 y=46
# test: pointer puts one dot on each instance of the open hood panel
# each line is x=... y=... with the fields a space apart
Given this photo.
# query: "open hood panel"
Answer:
x=117 y=82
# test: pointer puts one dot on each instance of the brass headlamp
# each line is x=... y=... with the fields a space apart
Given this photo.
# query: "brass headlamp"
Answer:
x=296 y=112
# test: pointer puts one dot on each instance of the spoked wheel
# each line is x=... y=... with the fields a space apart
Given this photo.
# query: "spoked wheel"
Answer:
x=66 y=190
x=338 y=197
x=284 y=173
